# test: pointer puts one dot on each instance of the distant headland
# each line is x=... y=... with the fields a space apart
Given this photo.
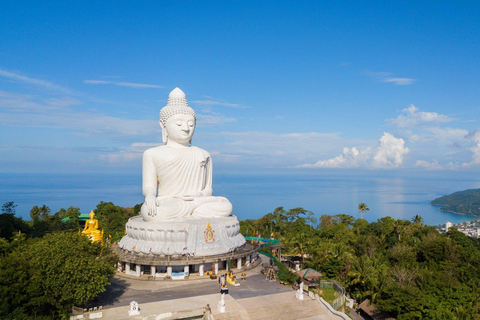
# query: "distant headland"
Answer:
x=462 y=202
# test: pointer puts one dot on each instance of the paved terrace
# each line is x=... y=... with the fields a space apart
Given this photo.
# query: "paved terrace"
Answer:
x=255 y=298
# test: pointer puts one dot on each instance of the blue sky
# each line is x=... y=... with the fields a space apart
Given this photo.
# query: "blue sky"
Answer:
x=277 y=85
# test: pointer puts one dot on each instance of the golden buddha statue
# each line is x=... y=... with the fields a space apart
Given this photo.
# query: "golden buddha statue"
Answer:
x=91 y=229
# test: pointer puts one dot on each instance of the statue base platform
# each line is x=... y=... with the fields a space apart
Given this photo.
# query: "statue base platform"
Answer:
x=199 y=237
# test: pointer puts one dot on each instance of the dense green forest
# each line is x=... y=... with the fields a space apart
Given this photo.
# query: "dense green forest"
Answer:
x=464 y=202
x=406 y=268
x=47 y=266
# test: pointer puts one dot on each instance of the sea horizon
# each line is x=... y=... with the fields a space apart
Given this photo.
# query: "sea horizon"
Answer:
x=253 y=195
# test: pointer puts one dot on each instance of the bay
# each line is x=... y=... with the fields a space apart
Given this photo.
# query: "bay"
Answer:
x=252 y=196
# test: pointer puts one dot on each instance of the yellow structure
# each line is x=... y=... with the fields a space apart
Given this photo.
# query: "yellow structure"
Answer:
x=91 y=229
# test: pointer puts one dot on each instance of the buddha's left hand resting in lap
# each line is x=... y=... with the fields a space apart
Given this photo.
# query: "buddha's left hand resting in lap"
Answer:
x=177 y=177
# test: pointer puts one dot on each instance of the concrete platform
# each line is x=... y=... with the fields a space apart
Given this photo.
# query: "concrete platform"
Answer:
x=276 y=306
x=255 y=298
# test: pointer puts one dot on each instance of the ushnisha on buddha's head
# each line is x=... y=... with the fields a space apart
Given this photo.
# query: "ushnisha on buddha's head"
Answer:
x=177 y=120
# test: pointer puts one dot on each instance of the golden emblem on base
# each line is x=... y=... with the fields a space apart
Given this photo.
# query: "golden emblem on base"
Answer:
x=209 y=234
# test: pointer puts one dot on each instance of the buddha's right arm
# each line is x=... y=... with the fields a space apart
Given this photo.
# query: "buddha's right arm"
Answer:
x=149 y=184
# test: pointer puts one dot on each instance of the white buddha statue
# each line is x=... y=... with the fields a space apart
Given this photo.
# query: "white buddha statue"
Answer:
x=177 y=177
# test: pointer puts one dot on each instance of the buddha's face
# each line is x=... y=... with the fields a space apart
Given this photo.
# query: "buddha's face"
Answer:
x=180 y=128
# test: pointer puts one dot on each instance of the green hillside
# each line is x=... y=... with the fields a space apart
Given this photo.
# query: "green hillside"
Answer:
x=464 y=202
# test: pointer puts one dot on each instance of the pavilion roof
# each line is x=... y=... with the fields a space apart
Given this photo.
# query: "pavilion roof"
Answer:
x=309 y=274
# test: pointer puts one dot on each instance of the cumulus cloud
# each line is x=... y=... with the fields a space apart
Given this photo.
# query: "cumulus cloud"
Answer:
x=351 y=158
x=388 y=154
x=475 y=138
x=412 y=116
x=124 y=84
x=391 y=151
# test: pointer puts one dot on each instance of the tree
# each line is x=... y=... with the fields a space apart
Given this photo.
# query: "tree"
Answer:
x=417 y=219
x=362 y=207
x=45 y=277
x=9 y=208
x=9 y=224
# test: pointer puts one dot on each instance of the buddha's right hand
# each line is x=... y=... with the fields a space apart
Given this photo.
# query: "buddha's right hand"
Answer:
x=151 y=204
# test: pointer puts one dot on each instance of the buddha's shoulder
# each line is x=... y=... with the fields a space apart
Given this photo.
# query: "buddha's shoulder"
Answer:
x=200 y=150
x=154 y=150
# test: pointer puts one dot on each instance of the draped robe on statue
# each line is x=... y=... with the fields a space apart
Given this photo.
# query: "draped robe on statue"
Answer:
x=182 y=180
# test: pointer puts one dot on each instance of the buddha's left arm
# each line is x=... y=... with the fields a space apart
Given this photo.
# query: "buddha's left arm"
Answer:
x=207 y=191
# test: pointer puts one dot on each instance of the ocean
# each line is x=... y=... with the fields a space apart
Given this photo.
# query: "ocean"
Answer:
x=252 y=196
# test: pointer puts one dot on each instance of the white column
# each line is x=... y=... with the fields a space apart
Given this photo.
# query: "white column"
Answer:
x=153 y=270
x=137 y=270
x=201 y=269
x=216 y=267
x=186 y=270
x=239 y=263
x=127 y=267
x=169 y=271
x=247 y=262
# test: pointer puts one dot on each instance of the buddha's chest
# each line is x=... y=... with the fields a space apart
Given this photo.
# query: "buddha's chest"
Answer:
x=190 y=164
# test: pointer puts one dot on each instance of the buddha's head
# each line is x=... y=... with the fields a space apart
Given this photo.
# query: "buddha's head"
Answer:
x=177 y=119
x=92 y=214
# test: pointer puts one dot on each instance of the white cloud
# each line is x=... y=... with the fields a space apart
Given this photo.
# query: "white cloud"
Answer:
x=413 y=117
x=351 y=158
x=434 y=165
x=212 y=119
x=389 y=153
x=32 y=81
x=448 y=134
x=21 y=110
x=399 y=81
x=267 y=149
x=124 y=84
x=475 y=138
x=387 y=77
x=218 y=102
x=97 y=82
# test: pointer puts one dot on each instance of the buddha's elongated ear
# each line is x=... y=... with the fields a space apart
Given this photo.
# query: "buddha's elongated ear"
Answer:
x=164 y=133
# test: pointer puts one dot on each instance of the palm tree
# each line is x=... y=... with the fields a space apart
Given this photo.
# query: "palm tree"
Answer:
x=417 y=219
x=362 y=207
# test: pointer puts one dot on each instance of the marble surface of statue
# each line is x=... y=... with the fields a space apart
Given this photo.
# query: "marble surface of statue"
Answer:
x=180 y=216
x=177 y=177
